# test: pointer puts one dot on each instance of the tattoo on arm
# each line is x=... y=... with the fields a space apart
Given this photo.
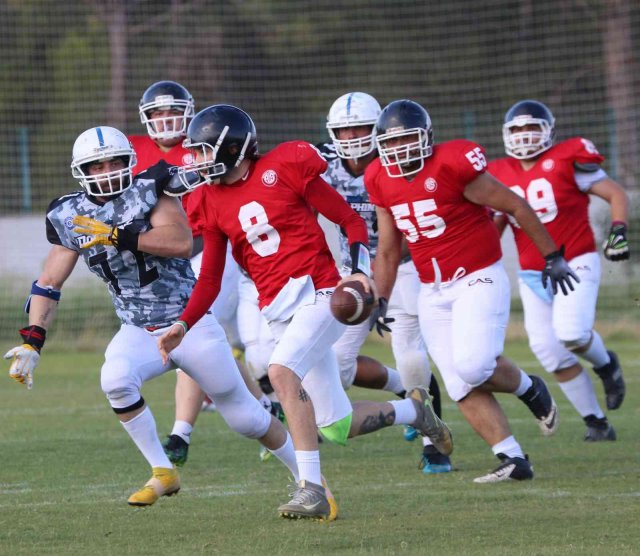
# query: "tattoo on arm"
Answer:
x=303 y=396
x=373 y=423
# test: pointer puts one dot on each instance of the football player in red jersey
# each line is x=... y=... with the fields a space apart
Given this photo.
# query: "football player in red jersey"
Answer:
x=166 y=109
x=557 y=180
x=265 y=206
x=436 y=196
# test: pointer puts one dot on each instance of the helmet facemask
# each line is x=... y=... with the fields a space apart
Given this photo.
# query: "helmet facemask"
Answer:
x=208 y=169
x=529 y=143
x=407 y=159
x=167 y=127
x=353 y=148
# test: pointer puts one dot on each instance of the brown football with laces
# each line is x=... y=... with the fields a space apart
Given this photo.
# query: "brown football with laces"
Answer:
x=350 y=304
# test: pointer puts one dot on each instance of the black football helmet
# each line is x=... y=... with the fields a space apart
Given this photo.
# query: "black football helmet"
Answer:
x=528 y=143
x=401 y=119
x=221 y=137
x=166 y=95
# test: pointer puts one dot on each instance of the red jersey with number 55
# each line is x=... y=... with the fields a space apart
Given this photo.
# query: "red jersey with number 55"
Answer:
x=433 y=214
x=551 y=190
x=273 y=230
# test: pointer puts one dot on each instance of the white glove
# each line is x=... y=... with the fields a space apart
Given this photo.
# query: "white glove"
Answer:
x=25 y=358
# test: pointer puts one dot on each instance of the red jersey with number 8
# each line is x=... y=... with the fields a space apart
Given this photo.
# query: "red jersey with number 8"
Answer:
x=551 y=190
x=431 y=211
x=273 y=230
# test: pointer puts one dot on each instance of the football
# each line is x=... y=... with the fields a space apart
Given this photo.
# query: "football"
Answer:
x=350 y=304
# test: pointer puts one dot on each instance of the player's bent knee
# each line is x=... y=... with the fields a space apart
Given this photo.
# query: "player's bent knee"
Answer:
x=338 y=432
x=474 y=371
x=119 y=384
x=577 y=342
x=251 y=422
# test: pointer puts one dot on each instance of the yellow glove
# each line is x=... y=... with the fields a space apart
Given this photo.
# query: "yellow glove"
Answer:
x=24 y=360
x=104 y=234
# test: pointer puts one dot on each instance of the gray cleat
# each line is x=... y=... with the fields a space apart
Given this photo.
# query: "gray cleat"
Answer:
x=598 y=429
x=308 y=501
x=429 y=424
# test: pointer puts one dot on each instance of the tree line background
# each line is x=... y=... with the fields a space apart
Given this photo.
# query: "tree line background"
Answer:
x=66 y=67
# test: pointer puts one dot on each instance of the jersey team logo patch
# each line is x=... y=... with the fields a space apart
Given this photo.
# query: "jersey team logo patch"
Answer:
x=548 y=165
x=269 y=178
x=187 y=159
x=430 y=185
x=68 y=222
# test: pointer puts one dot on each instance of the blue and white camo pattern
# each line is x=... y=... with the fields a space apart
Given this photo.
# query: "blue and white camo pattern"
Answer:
x=146 y=290
x=352 y=190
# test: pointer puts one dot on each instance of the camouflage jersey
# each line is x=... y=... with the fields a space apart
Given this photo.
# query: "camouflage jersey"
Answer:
x=352 y=190
x=147 y=290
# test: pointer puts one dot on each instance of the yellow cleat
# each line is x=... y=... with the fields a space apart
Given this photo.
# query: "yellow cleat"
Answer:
x=164 y=482
x=333 y=505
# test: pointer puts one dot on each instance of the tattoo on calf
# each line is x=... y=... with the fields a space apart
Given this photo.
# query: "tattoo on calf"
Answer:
x=376 y=422
x=303 y=396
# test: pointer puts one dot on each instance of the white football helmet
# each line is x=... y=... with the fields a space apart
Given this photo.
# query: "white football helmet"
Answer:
x=350 y=110
x=102 y=143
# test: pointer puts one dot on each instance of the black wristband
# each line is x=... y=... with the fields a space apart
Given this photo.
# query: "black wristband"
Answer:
x=34 y=336
x=360 y=259
x=552 y=256
x=125 y=239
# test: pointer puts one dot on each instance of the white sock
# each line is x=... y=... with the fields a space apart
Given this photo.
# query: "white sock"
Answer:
x=287 y=455
x=405 y=412
x=142 y=430
x=394 y=382
x=579 y=391
x=596 y=354
x=525 y=383
x=309 y=466
x=509 y=447
x=183 y=430
x=426 y=441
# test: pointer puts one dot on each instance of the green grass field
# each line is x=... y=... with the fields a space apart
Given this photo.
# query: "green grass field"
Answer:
x=68 y=468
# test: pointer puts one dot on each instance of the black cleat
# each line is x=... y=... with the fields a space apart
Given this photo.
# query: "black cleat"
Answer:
x=598 y=429
x=613 y=381
x=514 y=469
x=539 y=401
x=176 y=449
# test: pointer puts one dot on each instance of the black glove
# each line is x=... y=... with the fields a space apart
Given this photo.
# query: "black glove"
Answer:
x=378 y=317
x=558 y=271
x=616 y=248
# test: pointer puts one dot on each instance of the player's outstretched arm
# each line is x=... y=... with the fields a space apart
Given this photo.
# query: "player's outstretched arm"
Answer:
x=487 y=191
x=41 y=306
x=616 y=245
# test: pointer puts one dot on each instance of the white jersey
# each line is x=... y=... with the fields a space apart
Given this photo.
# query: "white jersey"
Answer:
x=353 y=191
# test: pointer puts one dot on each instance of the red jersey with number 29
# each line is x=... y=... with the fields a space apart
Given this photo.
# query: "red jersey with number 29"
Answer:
x=551 y=190
x=272 y=227
x=433 y=214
